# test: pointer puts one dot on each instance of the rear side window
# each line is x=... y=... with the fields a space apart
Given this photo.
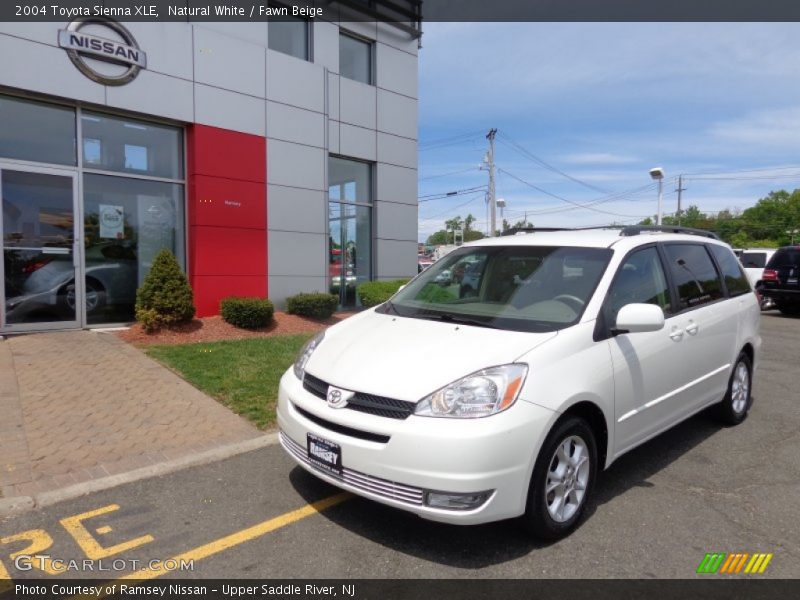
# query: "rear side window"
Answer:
x=752 y=260
x=694 y=273
x=735 y=278
x=785 y=257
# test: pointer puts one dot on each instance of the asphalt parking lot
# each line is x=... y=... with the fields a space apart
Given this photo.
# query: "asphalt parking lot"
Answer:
x=698 y=488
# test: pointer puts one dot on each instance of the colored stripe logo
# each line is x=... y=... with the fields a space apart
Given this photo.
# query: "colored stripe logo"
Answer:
x=734 y=563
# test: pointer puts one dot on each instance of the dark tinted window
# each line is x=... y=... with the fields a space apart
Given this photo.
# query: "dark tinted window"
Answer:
x=695 y=275
x=735 y=278
x=289 y=35
x=36 y=131
x=355 y=58
x=753 y=260
x=786 y=257
x=639 y=280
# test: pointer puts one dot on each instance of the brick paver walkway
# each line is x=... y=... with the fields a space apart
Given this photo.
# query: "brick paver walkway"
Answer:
x=81 y=405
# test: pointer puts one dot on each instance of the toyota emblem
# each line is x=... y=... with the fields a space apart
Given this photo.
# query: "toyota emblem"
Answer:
x=337 y=398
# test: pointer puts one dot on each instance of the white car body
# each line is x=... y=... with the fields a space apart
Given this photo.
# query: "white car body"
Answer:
x=635 y=384
x=754 y=260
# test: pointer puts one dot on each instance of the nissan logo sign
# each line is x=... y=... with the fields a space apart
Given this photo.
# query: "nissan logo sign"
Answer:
x=81 y=46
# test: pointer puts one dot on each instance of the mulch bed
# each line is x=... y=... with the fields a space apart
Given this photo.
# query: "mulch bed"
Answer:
x=214 y=329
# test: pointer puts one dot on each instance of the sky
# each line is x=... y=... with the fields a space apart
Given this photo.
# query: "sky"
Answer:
x=601 y=104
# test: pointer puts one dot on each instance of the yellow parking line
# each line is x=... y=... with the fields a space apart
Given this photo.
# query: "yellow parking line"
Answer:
x=230 y=541
x=240 y=537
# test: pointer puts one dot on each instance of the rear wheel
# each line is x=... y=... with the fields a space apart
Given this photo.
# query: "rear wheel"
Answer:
x=562 y=480
x=738 y=399
x=789 y=309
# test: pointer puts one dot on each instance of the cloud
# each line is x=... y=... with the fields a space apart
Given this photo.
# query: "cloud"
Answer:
x=598 y=158
x=779 y=127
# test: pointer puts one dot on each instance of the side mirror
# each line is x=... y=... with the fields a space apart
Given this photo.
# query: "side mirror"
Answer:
x=636 y=318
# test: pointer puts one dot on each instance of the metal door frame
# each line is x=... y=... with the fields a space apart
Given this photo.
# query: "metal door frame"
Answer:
x=77 y=253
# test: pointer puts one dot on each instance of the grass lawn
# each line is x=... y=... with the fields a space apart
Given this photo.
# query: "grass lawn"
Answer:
x=242 y=374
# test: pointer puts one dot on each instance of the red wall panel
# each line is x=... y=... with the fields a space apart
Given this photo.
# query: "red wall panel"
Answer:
x=224 y=153
x=209 y=290
x=227 y=210
x=229 y=251
x=228 y=202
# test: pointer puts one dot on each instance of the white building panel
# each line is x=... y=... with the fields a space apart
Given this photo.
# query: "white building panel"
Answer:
x=357 y=142
x=295 y=81
x=229 y=63
x=291 y=124
x=296 y=209
x=295 y=165
x=292 y=253
x=229 y=110
x=357 y=103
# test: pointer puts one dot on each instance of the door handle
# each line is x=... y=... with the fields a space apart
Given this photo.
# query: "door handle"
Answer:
x=676 y=335
x=692 y=328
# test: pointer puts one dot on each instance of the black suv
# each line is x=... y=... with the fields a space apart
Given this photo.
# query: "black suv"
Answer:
x=780 y=280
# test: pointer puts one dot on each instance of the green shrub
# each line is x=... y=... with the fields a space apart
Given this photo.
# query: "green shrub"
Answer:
x=373 y=293
x=148 y=318
x=317 y=304
x=165 y=297
x=248 y=313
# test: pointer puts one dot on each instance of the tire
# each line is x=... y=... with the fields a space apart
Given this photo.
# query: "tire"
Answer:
x=542 y=518
x=738 y=399
x=791 y=310
x=95 y=297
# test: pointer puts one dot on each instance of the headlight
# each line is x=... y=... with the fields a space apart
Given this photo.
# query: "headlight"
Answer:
x=305 y=354
x=478 y=395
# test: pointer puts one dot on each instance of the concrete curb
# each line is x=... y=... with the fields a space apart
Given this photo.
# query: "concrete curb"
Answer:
x=20 y=504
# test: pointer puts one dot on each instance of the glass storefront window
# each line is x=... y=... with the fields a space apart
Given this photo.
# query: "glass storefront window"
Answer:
x=112 y=143
x=126 y=223
x=355 y=58
x=350 y=227
x=37 y=132
x=290 y=36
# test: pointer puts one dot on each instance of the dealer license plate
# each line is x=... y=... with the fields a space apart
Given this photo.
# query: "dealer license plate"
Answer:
x=324 y=454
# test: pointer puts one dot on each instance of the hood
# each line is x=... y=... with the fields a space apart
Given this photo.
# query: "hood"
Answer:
x=407 y=359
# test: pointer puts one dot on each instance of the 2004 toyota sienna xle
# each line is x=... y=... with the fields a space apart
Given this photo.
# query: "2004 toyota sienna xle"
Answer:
x=570 y=348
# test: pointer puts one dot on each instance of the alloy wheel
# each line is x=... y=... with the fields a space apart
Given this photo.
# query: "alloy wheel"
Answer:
x=567 y=479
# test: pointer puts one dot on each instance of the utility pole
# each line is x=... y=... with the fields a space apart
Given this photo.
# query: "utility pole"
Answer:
x=680 y=190
x=492 y=198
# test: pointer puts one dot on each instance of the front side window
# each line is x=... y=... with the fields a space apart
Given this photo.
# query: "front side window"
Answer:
x=37 y=132
x=355 y=58
x=640 y=279
x=289 y=35
x=735 y=277
x=516 y=288
x=694 y=273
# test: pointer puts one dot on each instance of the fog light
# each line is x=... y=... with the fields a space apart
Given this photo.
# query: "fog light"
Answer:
x=452 y=501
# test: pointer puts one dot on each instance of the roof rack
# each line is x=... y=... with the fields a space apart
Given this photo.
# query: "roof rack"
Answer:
x=516 y=230
x=637 y=229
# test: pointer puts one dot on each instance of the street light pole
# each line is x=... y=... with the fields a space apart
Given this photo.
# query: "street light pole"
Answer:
x=492 y=201
x=658 y=174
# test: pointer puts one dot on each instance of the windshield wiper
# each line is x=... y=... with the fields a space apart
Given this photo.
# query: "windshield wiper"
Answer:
x=451 y=318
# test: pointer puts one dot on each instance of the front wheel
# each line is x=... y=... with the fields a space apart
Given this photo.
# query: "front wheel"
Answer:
x=562 y=480
x=736 y=403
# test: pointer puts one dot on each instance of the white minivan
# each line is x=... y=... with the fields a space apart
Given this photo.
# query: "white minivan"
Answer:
x=574 y=347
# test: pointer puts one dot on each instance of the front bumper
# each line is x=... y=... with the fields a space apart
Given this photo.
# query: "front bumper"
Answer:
x=422 y=454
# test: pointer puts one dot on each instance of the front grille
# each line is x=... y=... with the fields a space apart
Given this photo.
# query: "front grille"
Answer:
x=343 y=429
x=367 y=483
x=366 y=403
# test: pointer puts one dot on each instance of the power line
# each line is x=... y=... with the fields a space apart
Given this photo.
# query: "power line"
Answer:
x=452 y=208
x=443 y=195
x=505 y=139
x=448 y=174
x=556 y=196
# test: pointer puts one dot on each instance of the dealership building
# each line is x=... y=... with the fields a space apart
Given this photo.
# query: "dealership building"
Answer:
x=270 y=157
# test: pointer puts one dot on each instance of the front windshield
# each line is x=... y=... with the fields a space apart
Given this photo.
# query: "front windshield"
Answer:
x=519 y=288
